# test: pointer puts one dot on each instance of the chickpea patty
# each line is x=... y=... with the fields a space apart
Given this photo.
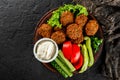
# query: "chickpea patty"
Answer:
x=79 y=40
x=45 y=30
x=73 y=31
x=58 y=36
x=81 y=20
x=91 y=27
x=66 y=18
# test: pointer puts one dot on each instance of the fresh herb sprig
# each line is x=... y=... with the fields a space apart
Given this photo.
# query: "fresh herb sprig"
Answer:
x=96 y=43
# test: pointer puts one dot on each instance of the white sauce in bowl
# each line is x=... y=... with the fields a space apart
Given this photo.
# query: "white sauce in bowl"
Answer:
x=46 y=50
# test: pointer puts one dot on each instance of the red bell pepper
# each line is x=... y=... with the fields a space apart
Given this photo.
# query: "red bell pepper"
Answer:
x=79 y=64
x=75 y=53
x=67 y=49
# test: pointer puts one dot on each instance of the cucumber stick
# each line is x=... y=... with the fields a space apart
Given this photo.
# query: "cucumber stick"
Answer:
x=65 y=69
x=65 y=61
x=58 y=68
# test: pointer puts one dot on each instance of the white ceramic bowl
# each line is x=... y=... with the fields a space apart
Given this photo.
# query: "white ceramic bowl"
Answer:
x=35 y=50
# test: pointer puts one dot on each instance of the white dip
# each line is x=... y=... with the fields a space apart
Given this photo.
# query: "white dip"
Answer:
x=45 y=50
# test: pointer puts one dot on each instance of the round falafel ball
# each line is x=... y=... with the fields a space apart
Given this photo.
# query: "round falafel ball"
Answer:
x=91 y=27
x=74 y=31
x=66 y=18
x=79 y=40
x=81 y=20
x=45 y=30
x=58 y=36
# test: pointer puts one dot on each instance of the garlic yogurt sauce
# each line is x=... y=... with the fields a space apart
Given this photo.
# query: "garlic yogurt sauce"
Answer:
x=45 y=50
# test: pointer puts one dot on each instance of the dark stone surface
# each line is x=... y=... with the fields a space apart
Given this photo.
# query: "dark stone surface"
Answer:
x=18 y=19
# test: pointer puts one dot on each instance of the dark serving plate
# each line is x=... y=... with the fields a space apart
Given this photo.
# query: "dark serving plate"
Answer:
x=44 y=20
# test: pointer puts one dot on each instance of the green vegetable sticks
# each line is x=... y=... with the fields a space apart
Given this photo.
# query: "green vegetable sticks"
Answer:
x=86 y=59
x=63 y=67
x=58 y=68
x=66 y=62
x=90 y=52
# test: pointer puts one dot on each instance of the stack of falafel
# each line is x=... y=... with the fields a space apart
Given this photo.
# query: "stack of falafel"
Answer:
x=72 y=28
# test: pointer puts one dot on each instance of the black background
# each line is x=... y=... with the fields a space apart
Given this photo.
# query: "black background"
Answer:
x=18 y=19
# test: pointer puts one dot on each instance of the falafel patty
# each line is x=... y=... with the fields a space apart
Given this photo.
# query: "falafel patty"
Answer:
x=58 y=36
x=81 y=20
x=79 y=40
x=91 y=27
x=66 y=18
x=74 y=31
x=45 y=30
